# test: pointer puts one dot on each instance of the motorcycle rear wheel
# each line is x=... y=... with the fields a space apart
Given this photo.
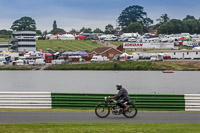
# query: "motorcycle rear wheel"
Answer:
x=102 y=110
x=132 y=112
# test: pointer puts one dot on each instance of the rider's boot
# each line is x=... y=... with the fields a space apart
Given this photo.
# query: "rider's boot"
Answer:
x=126 y=107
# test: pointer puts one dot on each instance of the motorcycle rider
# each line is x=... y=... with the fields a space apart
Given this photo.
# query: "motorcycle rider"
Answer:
x=123 y=96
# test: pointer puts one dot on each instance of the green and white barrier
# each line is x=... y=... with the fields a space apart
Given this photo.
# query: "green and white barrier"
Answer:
x=192 y=102
x=25 y=100
x=47 y=100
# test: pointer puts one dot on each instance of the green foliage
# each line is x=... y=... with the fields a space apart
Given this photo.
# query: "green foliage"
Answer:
x=100 y=128
x=5 y=32
x=131 y=14
x=38 y=32
x=3 y=40
x=134 y=27
x=54 y=25
x=109 y=29
x=24 y=24
x=97 y=30
x=163 y=19
x=191 y=26
x=86 y=30
x=57 y=31
x=107 y=66
x=187 y=25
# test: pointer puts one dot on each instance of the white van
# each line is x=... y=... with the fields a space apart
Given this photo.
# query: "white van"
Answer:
x=133 y=57
x=157 y=57
x=99 y=59
x=20 y=62
x=39 y=62
x=2 y=61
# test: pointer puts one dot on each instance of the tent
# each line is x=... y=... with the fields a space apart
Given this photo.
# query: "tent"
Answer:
x=81 y=37
x=66 y=37
x=69 y=53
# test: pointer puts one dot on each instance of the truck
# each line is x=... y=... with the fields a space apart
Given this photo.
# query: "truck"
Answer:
x=99 y=59
x=48 y=57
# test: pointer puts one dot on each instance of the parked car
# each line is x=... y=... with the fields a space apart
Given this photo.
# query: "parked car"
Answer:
x=116 y=57
x=31 y=62
x=131 y=40
x=99 y=59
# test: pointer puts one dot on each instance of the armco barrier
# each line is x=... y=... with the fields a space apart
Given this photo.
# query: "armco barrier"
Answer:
x=192 y=102
x=142 y=101
x=25 y=100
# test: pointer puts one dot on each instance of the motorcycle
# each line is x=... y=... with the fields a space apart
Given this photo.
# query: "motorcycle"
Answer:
x=103 y=110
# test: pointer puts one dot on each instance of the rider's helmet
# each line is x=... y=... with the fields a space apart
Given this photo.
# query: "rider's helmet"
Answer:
x=119 y=86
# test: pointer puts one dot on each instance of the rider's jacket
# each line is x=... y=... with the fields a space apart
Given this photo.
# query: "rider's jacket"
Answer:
x=122 y=95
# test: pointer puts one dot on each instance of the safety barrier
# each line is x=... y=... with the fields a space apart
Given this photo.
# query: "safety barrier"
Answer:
x=142 y=101
x=192 y=102
x=22 y=100
x=45 y=100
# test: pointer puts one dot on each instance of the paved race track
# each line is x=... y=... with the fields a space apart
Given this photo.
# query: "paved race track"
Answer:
x=62 y=117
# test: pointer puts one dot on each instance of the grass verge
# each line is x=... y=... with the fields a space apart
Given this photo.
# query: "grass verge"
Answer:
x=107 y=66
x=75 y=45
x=99 y=128
x=141 y=65
x=17 y=67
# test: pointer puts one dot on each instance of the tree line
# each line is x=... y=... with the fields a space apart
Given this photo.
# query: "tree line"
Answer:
x=132 y=19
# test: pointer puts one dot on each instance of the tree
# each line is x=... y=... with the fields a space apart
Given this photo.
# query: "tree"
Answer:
x=177 y=26
x=109 y=29
x=134 y=27
x=38 y=32
x=5 y=32
x=54 y=25
x=73 y=31
x=86 y=30
x=189 y=17
x=97 y=30
x=24 y=24
x=45 y=33
x=57 y=31
x=191 y=26
x=163 y=19
x=132 y=14
x=166 y=28
x=147 y=23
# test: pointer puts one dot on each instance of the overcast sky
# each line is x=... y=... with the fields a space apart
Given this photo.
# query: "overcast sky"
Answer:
x=88 y=13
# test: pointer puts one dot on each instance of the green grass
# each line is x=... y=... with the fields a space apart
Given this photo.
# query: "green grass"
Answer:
x=185 y=47
x=116 y=43
x=141 y=65
x=75 y=45
x=17 y=67
x=176 y=66
x=3 y=40
x=107 y=66
x=99 y=128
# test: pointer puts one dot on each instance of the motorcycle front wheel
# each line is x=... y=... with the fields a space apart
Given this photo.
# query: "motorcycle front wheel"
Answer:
x=102 y=110
x=132 y=112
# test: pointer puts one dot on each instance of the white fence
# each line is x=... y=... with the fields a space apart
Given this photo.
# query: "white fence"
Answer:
x=25 y=100
x=192 y=102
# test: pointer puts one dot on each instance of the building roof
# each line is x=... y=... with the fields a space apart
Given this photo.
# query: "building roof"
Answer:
x=102 y=50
